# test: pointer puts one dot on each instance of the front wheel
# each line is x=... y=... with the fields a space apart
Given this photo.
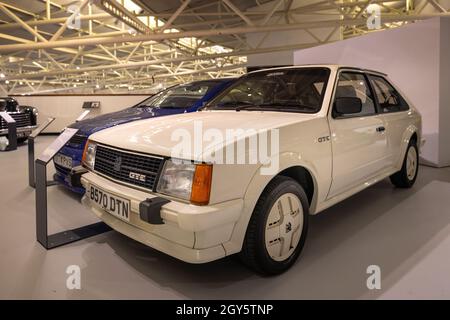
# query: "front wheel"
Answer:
x=277 y=229
x=406 y=177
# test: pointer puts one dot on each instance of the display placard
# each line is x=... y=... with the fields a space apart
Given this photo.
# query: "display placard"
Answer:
x=83 y=115
x=12 y=130
x=91 y=104
x=56 y=145
x=5 y=115
x=39 y=129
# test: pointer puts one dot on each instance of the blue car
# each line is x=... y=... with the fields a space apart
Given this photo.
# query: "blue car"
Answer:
x=178 y=99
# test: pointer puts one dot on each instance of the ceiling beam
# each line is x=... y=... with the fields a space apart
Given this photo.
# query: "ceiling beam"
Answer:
x=175 y=15
x=138 y=64
x=69 y=20
x=437 y=5
x=21 y=22
x=44 y=22
x=238 y=12
x=206 y=33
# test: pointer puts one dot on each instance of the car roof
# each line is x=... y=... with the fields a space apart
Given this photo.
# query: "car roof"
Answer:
x=331 y=66
x=219 y=80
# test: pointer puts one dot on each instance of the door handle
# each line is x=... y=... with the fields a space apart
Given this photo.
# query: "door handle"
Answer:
x=381 y=129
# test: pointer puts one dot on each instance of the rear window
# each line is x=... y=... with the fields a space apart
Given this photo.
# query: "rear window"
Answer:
x=388 y=98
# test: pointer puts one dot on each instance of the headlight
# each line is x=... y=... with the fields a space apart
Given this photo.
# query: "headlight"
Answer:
x=89 y=154
x=186 y=181
x=35 y=112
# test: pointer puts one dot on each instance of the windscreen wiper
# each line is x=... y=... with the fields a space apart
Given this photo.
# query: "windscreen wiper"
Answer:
x=236 y=104
x=289 y=106
x=247 y=106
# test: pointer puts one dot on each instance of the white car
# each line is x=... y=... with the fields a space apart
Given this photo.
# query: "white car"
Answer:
x=332 y=131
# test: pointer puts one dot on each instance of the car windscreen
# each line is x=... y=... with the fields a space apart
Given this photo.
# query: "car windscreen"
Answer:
x=288 y=90
x=181 y=96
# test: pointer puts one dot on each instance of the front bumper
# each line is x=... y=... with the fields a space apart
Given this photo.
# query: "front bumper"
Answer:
x=191 y=233
x=27 y=130
x=62 y=174
x=62 y=179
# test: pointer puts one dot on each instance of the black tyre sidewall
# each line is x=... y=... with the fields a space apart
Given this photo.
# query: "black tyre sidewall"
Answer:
x=412 y=144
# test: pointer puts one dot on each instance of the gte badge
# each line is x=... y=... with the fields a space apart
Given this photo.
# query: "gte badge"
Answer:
x=324 y=139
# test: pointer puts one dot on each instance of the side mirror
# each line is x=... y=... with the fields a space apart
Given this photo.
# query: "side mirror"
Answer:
x=347 y=105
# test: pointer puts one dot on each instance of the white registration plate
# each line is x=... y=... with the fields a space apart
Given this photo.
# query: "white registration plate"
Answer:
x=113 y=204
x=23 y=134
x=63 y=161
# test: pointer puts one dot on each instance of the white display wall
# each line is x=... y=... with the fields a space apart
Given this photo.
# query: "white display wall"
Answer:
x=67 y=108
x=417 y=58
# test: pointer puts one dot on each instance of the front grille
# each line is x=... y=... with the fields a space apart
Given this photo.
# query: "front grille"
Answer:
x=107 y=162
x=22 y=120
x=62 y=170
x=78 y=140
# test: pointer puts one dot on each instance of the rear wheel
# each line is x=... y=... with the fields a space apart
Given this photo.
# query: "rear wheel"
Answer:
x=406 y=177
x=277 y=229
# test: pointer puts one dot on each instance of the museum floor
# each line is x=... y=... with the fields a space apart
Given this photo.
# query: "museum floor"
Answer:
x=405 y=232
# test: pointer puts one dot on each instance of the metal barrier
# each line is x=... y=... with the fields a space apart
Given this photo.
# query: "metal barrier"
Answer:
x=12 y=131
x=41 y=184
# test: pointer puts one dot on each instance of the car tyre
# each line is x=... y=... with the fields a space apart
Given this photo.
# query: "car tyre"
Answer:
x=277 y=229
x=21 y=140
x=406 y=177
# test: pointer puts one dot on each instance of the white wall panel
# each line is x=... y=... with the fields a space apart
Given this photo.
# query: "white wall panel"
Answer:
x=444 y=103
x=67 y=108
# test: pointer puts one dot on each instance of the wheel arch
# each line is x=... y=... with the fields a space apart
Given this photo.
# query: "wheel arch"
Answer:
x=302 y=171
x=411 y=132
x=304 y=177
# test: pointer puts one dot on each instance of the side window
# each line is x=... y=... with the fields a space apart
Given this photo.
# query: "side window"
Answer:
x=388 y=98
x=354 y=85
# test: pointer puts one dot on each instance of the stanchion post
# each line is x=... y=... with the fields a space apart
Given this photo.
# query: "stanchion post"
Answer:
x=31 y=138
